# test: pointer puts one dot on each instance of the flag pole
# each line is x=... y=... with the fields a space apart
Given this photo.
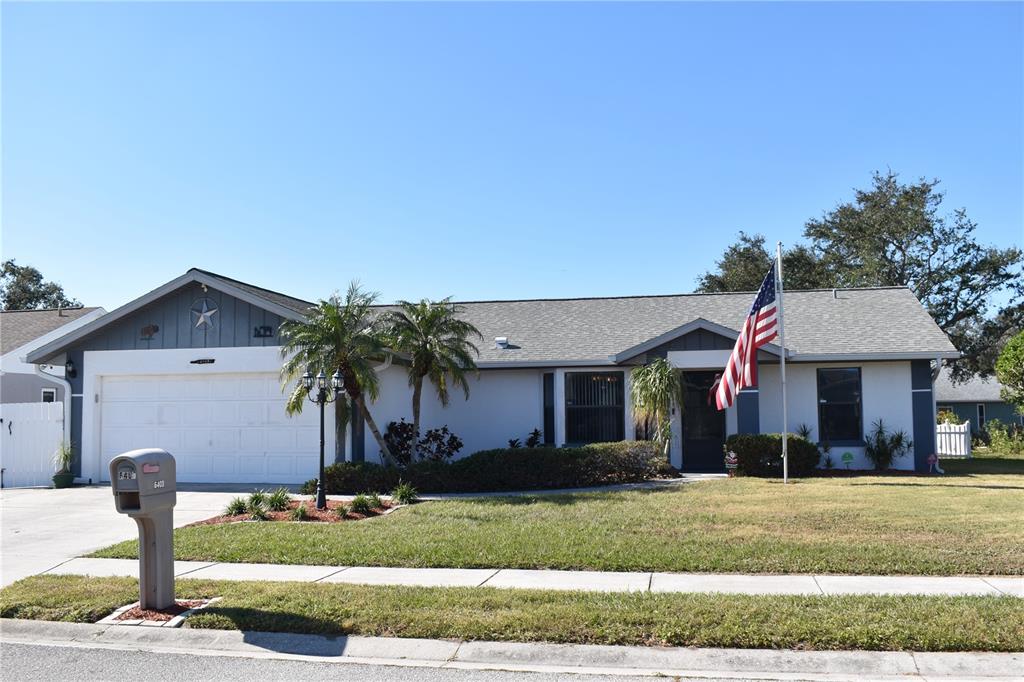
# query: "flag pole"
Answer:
x=782 y=364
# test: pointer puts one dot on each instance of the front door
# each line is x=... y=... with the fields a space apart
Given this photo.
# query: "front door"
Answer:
x=703 y=425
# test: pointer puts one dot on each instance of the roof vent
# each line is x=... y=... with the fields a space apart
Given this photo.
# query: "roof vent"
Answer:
x=501 y=342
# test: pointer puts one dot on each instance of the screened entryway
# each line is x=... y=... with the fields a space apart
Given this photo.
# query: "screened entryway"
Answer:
x=594 y=407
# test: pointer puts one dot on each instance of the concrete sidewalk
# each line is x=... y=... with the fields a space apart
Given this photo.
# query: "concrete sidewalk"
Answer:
x=587 y=581
x=823 y=666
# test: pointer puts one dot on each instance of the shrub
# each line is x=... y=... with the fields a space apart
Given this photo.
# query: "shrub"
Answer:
x=534 y=439
x=300 y=513
x=404 y=493
x=508 y=469
x=361 y=504
x=400 y=436
x=257 y=499
x=760 y=454
x=341 y=511
x=514 y=444
x=946 y=417
x=375 y=501
x=278 y=500
x=236 y=507
x=439 y=445
x=884 y=448
x=257 y=512
x=1005 y=439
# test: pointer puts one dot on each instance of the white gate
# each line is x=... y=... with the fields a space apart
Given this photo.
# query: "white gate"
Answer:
x=953 y=440
x=29 y=436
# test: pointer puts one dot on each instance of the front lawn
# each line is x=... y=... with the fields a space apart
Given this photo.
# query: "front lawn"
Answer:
x=962 y=524
x=886 y=623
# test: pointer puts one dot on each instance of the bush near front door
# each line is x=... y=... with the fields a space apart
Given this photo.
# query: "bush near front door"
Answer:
x=760 y=454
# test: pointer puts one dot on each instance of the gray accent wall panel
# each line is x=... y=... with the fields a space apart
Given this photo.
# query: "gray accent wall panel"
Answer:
x=233 y=324
x=698 y=339
x=924 y=420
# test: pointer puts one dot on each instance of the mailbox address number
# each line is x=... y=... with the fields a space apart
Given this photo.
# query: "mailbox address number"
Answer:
x=126 y=475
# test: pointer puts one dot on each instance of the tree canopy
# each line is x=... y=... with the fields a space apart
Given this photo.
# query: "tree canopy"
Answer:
x=895 y=234
x=1010 y=372
x=22 y=288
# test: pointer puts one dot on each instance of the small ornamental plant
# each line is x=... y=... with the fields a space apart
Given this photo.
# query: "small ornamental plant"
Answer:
x=236 y=507
x=300 y=513
x=278 y=500
x=731 y=463
x=404 y=493
x=361 y=505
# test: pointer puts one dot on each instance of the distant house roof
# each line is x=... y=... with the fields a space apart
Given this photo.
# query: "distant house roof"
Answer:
x=975 y=390
x=18 y=327
x=847 y=324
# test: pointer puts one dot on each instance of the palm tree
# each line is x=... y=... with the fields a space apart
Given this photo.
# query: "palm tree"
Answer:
x=339 y=335
x=654 y=387
x=437 y=346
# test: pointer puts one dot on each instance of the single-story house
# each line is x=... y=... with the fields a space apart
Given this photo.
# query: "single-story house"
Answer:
x=976 y=400
x=192 y=366
x=21 y=332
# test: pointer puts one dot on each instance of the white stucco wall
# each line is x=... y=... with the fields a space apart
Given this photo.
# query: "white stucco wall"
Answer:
x=886 y=391
x=503 y=404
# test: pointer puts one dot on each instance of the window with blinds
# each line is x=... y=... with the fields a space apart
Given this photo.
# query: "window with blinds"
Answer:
x=594 y=407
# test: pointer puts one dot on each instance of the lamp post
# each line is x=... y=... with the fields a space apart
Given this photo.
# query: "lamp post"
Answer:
x=323 y=394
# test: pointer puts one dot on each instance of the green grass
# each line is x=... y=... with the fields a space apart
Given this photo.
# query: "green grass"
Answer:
x=876 y=623
x=971 y=523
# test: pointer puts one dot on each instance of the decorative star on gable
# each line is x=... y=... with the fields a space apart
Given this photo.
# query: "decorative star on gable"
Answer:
x=203 y=310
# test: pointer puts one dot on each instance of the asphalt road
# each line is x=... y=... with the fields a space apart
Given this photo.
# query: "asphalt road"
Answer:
x=44 y=662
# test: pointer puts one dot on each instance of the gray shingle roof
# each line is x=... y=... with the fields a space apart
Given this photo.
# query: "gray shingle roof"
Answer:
x=296 y=304
x=855 y=321
x=18 y=327
x=975 y=390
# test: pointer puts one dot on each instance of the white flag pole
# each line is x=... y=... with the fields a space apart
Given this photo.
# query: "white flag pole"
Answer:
x=782 y=363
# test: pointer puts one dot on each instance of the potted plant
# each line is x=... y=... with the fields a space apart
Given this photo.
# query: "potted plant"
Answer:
x=62 y=461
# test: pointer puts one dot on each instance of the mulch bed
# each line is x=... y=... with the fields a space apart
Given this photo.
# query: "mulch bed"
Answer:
x=329 y=515
x=163 y=615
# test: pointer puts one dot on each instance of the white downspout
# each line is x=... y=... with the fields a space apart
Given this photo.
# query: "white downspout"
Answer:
x=67 y=397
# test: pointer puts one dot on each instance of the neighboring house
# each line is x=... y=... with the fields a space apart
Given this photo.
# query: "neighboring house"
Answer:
x=193 y=367
x=976 y=400
x=22 y=331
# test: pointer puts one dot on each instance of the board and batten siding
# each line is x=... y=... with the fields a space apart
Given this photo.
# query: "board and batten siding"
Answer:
x=233 y=325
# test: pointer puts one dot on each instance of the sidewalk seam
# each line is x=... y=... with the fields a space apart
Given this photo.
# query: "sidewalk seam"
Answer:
x=650 y=581
x=57 y=565
x=1001 y=593
x=484 y=582
x=325 y=577
x=197 y=568
x=817 y=584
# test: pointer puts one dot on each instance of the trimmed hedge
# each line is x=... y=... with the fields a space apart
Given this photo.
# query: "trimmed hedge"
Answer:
x=507 y=469
x=760 y=454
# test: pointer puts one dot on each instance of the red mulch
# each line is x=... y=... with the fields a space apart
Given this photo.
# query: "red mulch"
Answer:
x=180 y=606
x=328 y=515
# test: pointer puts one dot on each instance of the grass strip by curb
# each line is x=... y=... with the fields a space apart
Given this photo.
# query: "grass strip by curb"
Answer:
x=919 y=623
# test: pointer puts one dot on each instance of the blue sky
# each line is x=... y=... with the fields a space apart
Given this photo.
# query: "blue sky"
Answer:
x=483 y=150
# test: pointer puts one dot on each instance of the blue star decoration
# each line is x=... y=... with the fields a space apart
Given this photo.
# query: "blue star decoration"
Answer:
x=204 y=314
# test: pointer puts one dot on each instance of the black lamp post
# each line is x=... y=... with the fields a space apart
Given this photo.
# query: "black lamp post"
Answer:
x=320 y=393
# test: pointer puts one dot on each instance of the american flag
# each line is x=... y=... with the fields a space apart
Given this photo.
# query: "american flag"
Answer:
x=760 y=327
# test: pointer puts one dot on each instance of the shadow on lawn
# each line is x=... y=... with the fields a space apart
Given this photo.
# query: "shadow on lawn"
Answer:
x=563 y=498
x=949 y=485
x=276 y=630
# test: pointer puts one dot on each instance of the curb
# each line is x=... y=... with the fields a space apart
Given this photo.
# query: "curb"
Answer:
x=823 y=666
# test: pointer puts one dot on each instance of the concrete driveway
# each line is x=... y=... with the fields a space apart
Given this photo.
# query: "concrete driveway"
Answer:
x=41 y=528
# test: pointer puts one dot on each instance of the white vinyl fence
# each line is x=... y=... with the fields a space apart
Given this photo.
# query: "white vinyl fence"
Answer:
x=953 y=440
x=29 y=435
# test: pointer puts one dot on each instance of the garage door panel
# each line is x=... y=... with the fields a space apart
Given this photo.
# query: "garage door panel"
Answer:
x=220 y=428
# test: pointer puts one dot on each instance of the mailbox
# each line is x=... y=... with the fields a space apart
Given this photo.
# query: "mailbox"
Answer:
x=145 y=488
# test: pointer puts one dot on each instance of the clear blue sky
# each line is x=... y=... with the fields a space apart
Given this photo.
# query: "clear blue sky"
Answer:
x=483 y=150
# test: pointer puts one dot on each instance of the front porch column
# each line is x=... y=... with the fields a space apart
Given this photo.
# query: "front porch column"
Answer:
x=748 y=411
x=559 y=408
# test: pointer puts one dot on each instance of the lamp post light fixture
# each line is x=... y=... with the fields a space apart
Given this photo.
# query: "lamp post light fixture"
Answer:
x=319 y=392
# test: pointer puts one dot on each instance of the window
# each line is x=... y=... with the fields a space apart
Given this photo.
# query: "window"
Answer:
x=49 y=395
x=839 y=405
x=981 y=416
x=549 y=408
x=594 y=410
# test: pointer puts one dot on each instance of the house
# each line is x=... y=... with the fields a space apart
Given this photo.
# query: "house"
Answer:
x=977 y=400
x=22 y=331
x=192 y=367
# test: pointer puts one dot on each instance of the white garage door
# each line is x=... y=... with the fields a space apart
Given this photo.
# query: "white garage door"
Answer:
x=221 y=428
